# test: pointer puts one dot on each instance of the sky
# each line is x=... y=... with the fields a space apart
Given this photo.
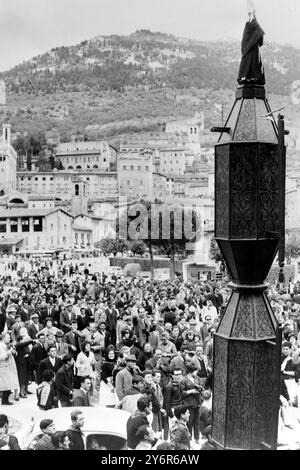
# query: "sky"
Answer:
x=32 y=27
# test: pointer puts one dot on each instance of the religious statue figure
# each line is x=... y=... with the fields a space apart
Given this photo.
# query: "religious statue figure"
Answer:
x=251 y=68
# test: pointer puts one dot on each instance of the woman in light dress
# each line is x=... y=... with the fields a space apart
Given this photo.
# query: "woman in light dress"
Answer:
x=8 y=369
x=107 y=394
x=85 y=363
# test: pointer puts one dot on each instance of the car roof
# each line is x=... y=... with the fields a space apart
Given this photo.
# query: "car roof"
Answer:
x=98 y=419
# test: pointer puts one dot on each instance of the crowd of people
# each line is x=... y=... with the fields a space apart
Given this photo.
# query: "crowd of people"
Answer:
x=143 y=346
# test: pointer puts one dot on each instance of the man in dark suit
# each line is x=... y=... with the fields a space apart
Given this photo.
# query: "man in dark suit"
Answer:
x=52 y=362
x=38 y=353
x=35 y=326
x=81 y=397
x=64 y=381
x=74 y=339
x=111 y=321
x=66 y=316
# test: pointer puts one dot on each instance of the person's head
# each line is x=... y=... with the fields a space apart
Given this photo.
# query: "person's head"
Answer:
x=147 y=374
x=130 y=361
x=48 y=376
x=177 y=374
x=144 y=405
x=286 y=348
x=42 y=338
x=147 y=348
x=138 y=383
x=86 y=383
x=47 y=426
x=60 y=440
x=18 y=318
x=86 y=347
x=59 y=337
x=207 y=319
x=158 y=354
x=175 y=331
x=3 y=424
x=102 y=326
x=74 y=325
x=191 y=370
x=77 y=418
x=292 y=338
x=156 y=376
x=190 y=335
x=145 y=433
x=52 y=351
x=35 y=318
x=6 y=338
x=182 y=412
x=206 y=395
x=164 y=337
x=111 y=355
x=165 y=445
x=49 y=322
x=199 y=350
x=68 y=361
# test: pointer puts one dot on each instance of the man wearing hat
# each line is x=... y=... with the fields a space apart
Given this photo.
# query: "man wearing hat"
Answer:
x=10 y=316
x=166 y=345
x=66 y=316
x=34 y=327
x=48 y=428
x=62 y=347
x=125 y=376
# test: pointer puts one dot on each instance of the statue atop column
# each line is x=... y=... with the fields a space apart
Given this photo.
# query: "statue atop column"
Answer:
x=251 y=68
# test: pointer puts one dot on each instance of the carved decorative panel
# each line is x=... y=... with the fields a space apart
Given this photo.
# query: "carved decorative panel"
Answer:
x=244 y=326
x=243 y=197
x=240 y=390
x=269 y=190
x=222 y=191
x=264 y=324
x=219 y=389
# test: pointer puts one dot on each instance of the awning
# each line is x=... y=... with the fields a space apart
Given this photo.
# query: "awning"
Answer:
x=10 y=241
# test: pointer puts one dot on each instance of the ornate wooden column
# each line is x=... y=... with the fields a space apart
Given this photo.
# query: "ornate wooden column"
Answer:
x=249 y=224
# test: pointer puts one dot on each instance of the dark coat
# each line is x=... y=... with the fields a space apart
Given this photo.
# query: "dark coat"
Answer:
x=80 y=398
x=76 y=439
x=46 y=364
x=111 y=319
x=64 y=384
x=38 y=353
x=32 y=330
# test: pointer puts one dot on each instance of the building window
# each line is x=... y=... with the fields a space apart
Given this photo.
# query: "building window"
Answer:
x=147 y=167
x=131 y=167
x=124 y=167
x=51 y=227
x=139 y=167
x=82 y=238
x=64 y=240
x=76 y=238
x=44 y=179
x=14 y=225
x=76 y=189
x=25 y=224
x=4 y=158
x=37 y=224
x=2 y=225
x=28 y=178
x=51 y=241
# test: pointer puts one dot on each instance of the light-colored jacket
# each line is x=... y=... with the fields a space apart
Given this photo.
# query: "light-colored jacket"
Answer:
x=8 y=370
x=85 y=364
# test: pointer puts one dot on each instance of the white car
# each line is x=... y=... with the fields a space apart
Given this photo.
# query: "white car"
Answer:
x=105 y=425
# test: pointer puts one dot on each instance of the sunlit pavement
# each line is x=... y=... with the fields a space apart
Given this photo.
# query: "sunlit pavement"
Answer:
x=288 y=437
